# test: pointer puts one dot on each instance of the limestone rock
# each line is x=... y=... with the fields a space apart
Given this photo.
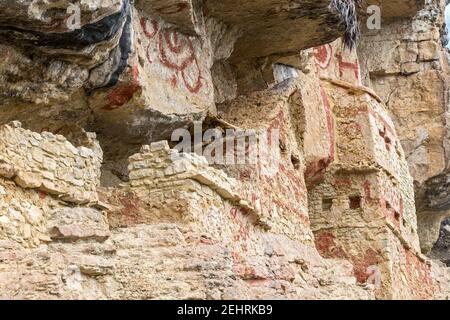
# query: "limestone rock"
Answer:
x=78 y=224
x=206 y=149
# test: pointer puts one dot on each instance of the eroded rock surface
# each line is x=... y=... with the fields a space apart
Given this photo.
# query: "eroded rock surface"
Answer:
x=336 y=191
x=410 y=72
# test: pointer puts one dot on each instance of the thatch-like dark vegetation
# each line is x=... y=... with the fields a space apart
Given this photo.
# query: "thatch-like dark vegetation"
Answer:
x=348 y=10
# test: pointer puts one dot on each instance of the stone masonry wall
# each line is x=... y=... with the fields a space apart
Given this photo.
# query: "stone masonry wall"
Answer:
x=365 y=197
x=49 y=163
x=189 y=227
x=335 y=192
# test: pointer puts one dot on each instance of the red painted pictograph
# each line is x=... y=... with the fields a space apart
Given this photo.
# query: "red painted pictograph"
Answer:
x=176 y=52
x=418 y=276
x=368 y=192
x=120 y=96
x=150 y=30
x=330 y=121
x=392 y=202
x=345 y=65
x=150 y=27
x=330 y=247
x=123 y=93
x=384 y=134
x=383 y=121
x=323 y=55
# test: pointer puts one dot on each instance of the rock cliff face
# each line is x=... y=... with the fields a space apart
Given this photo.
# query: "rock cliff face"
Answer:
x=410 y=72
x=205 y=149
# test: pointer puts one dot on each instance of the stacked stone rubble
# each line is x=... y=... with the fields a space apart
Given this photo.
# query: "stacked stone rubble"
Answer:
x=49 y=163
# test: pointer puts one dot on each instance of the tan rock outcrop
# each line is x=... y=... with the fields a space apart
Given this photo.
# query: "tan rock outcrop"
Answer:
x=189 y=149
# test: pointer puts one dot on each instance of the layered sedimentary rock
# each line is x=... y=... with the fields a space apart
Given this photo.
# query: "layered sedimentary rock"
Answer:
x=191 y=149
